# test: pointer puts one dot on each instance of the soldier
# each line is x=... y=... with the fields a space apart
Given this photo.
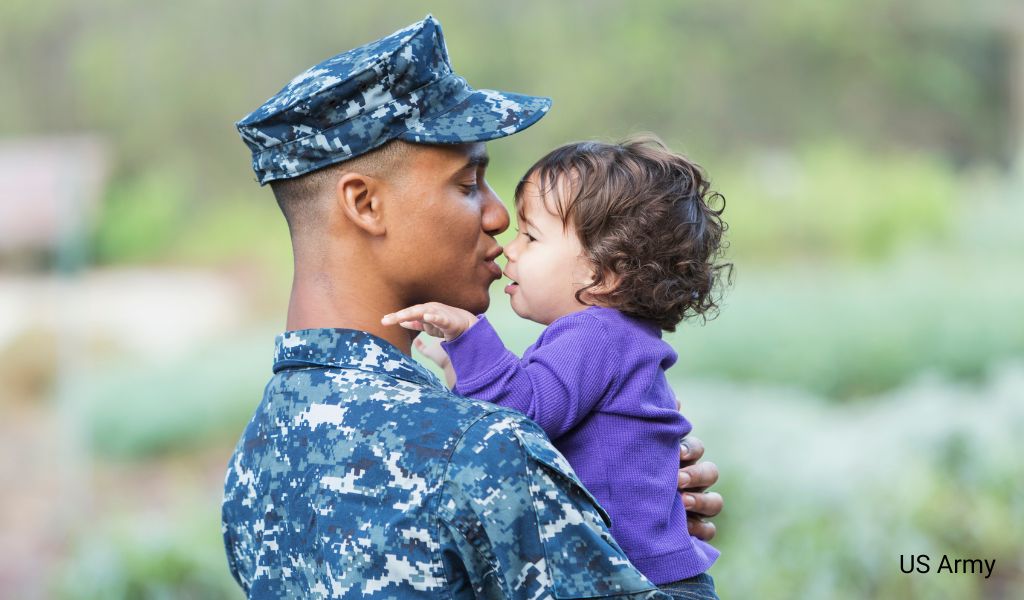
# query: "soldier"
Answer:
x=360 y=475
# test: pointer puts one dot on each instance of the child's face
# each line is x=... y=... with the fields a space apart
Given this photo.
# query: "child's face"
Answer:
x=545 y=263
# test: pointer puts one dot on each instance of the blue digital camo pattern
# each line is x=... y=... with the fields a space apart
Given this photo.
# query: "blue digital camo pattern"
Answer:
x=399 y=87
x=362 y=476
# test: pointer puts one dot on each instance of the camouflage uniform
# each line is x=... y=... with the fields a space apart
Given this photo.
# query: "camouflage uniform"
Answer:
x=362 y=476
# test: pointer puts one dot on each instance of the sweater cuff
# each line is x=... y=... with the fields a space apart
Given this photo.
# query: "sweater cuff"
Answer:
x=476 y=351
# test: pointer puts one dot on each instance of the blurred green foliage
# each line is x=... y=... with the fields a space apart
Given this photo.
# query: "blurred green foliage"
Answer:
x=140 y=409
x=830 y=201
x=846 y=333
x=149 y=556
x=822 y=500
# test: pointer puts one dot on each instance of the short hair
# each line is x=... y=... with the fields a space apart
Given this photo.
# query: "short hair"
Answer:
x=647 y=221
x=300 y=197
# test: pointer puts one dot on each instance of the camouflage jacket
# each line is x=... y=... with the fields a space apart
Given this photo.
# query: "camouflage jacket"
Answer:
x=362 y=476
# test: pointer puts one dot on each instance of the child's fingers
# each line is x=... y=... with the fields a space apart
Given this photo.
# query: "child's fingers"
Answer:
x=433 y=330
x=438 y=320
x=412 y=313
x=414 y=325
x=433 y=351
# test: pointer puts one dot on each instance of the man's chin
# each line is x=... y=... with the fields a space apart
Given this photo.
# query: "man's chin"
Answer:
x=479 y=307
x=479 y=303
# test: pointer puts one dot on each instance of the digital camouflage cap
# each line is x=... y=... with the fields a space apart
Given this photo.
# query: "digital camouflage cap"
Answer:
x=399 y=87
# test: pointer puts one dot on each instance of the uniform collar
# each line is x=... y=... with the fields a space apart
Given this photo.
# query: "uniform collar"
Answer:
x=347 y=349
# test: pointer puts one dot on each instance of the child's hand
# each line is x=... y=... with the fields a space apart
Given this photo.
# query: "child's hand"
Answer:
x=436 y=353
x=434 y=318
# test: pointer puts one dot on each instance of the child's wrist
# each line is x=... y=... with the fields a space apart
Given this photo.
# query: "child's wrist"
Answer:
x=452 y=335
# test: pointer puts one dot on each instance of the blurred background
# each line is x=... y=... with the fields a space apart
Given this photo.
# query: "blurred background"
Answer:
x=862 y=389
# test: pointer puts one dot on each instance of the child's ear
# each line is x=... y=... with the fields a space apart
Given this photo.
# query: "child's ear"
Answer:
x=359 y=198
x=609 y=282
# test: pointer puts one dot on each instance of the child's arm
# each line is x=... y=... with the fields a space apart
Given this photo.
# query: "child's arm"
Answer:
x=558 y=382
x=434 y=318
x=438 y=320
x=561 y=381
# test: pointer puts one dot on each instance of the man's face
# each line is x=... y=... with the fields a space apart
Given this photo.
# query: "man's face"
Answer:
x=441 y=226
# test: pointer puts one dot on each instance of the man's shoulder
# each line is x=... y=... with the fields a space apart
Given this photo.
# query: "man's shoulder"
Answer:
x=377 y=396
x=511 y=496
x=502 y=431
x=505 y=449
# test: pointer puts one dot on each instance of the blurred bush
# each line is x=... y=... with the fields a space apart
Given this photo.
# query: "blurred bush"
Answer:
x=831 y=201
x=843 y=332
x=175 y=555
x=143 y=216
x=822 y=501
x=136 y=409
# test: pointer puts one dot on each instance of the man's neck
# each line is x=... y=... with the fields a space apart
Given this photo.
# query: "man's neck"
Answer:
x=319 y=301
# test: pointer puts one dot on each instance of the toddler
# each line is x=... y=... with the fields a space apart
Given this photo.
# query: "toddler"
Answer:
x=616 y=242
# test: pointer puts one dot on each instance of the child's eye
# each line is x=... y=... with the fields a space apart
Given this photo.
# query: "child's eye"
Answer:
x=470 y=188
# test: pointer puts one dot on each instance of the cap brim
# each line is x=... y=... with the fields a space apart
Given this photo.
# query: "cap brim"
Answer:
x=484 y=115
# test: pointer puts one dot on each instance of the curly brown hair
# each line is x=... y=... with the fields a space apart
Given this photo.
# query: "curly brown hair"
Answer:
x=647 y=221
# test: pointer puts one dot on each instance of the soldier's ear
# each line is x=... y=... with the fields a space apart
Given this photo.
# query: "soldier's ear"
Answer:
x=358 y=197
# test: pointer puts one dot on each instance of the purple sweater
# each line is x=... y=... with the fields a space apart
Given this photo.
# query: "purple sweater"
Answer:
x=595 y=382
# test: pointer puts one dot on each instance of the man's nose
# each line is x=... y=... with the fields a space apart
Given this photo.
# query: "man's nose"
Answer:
x=495 y=218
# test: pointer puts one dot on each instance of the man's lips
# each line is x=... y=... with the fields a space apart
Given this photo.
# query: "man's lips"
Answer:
x=493 y=268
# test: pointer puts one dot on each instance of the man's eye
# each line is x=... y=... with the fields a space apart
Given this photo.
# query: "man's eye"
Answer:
x=470 y=188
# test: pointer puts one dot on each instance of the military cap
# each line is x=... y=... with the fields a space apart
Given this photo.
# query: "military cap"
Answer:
x=399 y=87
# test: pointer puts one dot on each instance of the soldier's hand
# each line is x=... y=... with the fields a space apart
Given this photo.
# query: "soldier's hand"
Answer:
x=433 y=318
x=693 y=480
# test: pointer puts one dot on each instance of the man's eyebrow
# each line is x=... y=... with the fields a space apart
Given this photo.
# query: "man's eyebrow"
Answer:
x=478 y=160
x=474 y=162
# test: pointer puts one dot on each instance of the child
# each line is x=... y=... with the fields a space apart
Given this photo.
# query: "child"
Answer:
x=615 y=244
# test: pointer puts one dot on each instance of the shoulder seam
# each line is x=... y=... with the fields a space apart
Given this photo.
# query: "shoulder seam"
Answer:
x=442 y=484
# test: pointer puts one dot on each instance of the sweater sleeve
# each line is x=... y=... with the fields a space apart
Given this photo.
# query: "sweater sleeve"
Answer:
x=560 y=379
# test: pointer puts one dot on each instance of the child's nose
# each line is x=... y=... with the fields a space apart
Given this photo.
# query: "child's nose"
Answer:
x=512 y=250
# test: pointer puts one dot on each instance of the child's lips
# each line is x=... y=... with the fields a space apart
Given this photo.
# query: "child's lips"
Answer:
x=512 y=286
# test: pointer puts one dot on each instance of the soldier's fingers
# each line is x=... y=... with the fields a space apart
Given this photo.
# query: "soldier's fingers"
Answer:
x=707 y=504
x=702 y=530
x=691 y=449
x=695 y=478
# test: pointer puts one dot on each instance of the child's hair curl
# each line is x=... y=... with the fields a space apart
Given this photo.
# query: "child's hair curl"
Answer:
x=648 y=223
